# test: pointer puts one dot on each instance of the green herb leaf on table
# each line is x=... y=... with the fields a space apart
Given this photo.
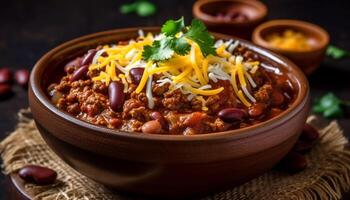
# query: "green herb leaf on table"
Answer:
x=142 y=8
x=336 y=52
x=329 y=105
x=171 y=43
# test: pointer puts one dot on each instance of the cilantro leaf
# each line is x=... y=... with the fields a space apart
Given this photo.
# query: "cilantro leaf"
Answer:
x=160 y=50
x=199 y=33
x=335 y=52
x=172 y=27
x=166 y=47
x=181 y=46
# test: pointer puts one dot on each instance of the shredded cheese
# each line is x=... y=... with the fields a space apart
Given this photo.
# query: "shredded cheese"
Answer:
x=192 y=74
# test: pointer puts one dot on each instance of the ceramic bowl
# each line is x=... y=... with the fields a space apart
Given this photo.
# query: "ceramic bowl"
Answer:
x=307 y=60
x=162 y=165
x=255 y=11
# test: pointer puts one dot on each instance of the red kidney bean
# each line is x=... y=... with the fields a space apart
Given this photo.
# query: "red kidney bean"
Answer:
x=5 y=75
x=37 y=175
x=231 y=114
x=5 y=89
x=294 y=162
x=22 y=77
x=116 y=95
x=158 y=116
x=302 y=147
x=79 y=73
x=87 y=59
x=309 y=134
x=277 y=98
x=153 y=127
x=256 y=110
x=72 y=64
x=136 y=74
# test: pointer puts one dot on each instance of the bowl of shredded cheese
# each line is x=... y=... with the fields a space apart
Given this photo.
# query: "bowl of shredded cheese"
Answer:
x=302 y=42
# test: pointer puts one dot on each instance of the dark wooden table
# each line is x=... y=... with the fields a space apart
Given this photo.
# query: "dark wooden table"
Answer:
x=29 y=28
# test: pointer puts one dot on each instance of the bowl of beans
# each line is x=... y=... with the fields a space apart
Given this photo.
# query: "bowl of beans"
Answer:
x=232 y=17
x=163 y=114
x=302 y=42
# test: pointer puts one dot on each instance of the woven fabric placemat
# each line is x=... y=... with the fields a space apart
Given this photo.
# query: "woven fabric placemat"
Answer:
x=327 y=175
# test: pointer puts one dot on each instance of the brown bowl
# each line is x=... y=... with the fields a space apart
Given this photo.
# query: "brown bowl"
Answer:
x=163 y=165
x=206 y=11
x=307 y=60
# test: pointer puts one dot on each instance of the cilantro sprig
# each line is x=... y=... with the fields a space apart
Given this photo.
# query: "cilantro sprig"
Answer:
x=329 y=105
x=173 y=42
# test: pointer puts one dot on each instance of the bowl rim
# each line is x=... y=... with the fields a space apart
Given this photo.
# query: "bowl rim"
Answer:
x=200 y=14
x=99 y=131
x=258 y=39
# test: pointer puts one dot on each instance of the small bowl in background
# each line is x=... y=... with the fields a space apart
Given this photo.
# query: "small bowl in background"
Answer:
x=309 y=59
x=243 y=16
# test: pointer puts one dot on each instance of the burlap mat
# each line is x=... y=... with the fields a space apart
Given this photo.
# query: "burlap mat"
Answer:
x=326 y=177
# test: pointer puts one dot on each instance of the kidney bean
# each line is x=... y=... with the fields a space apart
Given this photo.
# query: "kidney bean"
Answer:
x=116 y=95
x=87 y=59
x=22 y=77
x=277 y=98
x=69 y=67
x=231 y=114
x=309 y=134
x=5 y=89
x=136 y=74
x=302 y=147
x=153 y=127
x=158 y=116
x=256 y=110
x=79 y=73
x=5 y=75
x=294 y=162
x=37 y=175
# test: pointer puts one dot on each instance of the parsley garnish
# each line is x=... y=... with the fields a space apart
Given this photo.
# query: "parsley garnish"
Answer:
x=329 y=105
x=336 y=52
x=173 y=43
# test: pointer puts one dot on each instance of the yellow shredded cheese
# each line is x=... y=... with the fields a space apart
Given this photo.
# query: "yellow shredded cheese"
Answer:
x=144 y=78
x=202 y=100
x=193 y=74
x=206 y=92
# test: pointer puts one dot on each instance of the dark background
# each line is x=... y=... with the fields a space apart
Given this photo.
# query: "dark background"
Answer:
x=29 y=28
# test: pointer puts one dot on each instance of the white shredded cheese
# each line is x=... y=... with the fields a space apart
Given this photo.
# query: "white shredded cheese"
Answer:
x=233 y=46
x=97 y=55
x=218 y=43
x=141 y=33
x=149 y=94
x=246 y=92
